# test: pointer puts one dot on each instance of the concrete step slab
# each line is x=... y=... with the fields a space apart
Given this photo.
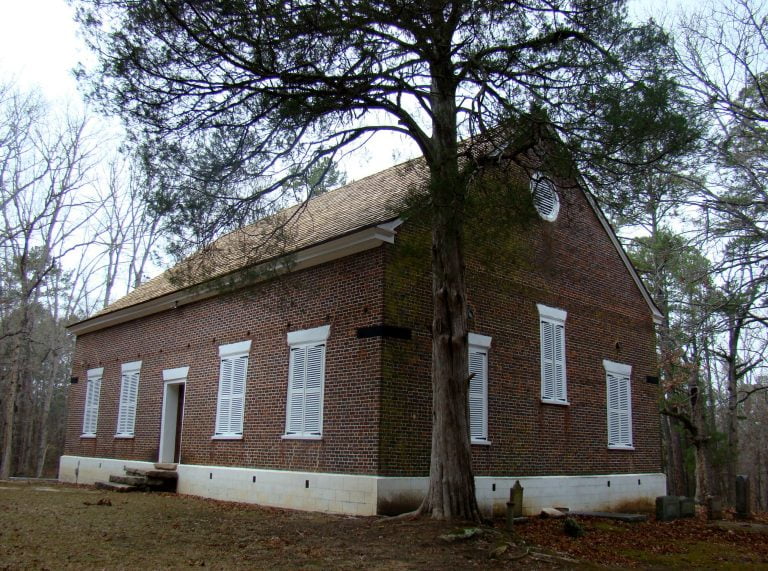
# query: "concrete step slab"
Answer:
x=166 y=466
x=154 y=474
x=115 y=487
x=130 y=480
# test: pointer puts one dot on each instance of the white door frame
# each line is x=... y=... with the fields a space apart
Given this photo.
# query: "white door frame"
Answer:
x=172 y=378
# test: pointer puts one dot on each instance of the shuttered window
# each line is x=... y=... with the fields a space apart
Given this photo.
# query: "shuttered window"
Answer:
x=478 y=388
x=619 y=404
x=553 y=371
x=129 y=394
x=230 y=406
x=306 y=383
x=92 y=394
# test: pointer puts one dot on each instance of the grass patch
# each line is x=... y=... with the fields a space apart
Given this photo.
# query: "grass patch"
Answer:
x=699 y=555
x=66 y=527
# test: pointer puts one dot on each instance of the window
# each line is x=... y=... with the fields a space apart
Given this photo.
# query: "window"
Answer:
x=129 y=391
x=230 y=406
x=553 y=383
x=306 y=380
x=92 y=393
x=545 y=198
x=478 y=388
x=619 y=400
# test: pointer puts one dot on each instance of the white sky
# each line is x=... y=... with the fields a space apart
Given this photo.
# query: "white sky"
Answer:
x=40 y=45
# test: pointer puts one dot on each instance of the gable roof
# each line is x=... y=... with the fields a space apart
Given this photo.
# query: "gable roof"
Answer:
x=349 y=219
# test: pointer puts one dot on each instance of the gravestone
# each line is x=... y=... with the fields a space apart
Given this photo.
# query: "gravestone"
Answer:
x=687 y=507
x=515 y=504
x=667 y=508
x=516 y=497
x=743 y=497
x=714 y=507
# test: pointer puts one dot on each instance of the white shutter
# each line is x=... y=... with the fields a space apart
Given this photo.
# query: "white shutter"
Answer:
x=619 y=413
x=225 y=396
x=554 y=386
x=230 y=407
x=306 y=382
x=297 y=375
x=129 y=391
x=237 y=402
x=478 y=394
x=313 y=396
x=558 y=359
x=547 y=360
x=305 y=390
x=92 y=395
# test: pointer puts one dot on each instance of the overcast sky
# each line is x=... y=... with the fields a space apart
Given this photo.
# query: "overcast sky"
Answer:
x=40 y=45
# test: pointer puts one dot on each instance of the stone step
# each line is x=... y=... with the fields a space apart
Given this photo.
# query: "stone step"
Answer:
x=165 y=466
x=115 y=487
x=153 y=474
x=129 y=480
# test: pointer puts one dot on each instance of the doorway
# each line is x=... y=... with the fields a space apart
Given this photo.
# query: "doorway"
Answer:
x=171 y=427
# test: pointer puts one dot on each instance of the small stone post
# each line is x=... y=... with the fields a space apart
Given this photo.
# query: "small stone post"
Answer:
x=743 y=498
x=516 y=497
x=514 y=505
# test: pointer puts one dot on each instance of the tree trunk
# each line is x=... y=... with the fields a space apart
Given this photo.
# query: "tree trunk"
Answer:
x=703 y=485
x=9 y=413
x=734 y=330
x=675 y=466
x=451 y=493
x=700 y=436
x=42 y=444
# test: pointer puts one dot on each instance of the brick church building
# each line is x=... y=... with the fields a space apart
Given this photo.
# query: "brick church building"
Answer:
x=296 y=372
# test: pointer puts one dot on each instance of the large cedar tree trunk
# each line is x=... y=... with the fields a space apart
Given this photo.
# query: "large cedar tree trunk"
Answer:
x=451 y=493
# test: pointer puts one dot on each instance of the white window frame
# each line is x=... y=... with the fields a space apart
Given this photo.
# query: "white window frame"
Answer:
x=92 y=397
x=618 y=414
x=129 y=397
x=299 y=341
x=230 y=403
x=478 y=388
x=552 y=321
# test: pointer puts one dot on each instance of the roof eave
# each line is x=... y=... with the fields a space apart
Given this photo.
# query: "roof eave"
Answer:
x=353 y=243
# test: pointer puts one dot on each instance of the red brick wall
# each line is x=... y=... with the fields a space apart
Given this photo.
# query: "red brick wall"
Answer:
x=569 y=264
x=342 y=293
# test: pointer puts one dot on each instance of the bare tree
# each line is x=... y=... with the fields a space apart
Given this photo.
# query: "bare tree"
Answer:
x=44 y=165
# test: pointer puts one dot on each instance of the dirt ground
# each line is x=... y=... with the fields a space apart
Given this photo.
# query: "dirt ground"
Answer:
x=53 y=526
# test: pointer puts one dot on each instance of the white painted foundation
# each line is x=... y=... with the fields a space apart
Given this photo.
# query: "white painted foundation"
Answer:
x=369 y=495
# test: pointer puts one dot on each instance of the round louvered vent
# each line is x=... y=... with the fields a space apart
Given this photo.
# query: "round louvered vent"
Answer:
x=545 y=197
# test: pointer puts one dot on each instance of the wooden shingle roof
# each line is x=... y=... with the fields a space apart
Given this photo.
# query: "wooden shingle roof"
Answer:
x=372 y=200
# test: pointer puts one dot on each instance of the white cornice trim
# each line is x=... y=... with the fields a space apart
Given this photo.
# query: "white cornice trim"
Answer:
x=617 y=368
x=314 y=335
x=477 y=340
x=365 y=239
x=552 y=313
x=176 y=374
x=235 y=349
x=132 y=367
x=96 y=373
